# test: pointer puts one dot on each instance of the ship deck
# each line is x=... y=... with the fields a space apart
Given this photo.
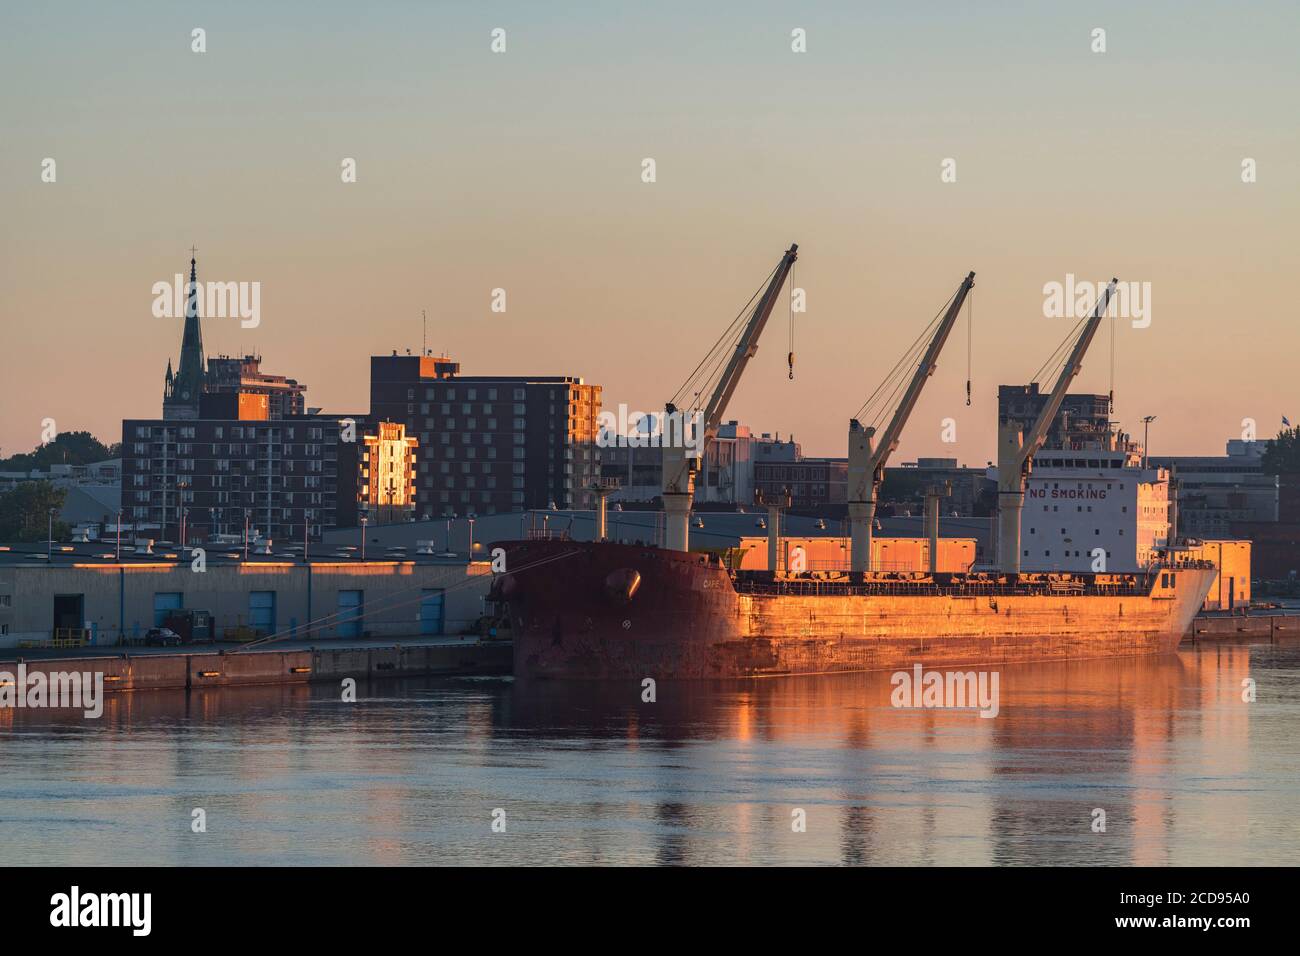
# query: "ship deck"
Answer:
x=819 y=584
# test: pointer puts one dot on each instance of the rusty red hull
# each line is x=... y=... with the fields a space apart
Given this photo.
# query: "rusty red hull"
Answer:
x=592 y=611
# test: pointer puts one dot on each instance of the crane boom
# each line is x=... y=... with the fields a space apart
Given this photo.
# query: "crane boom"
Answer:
x=1016 y=448
x=679 y=463
x=746 y=347
x=867 y=463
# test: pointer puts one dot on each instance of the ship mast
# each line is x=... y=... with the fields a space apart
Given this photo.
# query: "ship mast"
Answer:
x=1016 y=447
x=679 y=462
x=867 y=459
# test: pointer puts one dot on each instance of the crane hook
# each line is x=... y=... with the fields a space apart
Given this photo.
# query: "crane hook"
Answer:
x=967 y=393
x=790 y=359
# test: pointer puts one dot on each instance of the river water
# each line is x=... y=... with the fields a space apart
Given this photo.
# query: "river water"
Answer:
x=416 y=771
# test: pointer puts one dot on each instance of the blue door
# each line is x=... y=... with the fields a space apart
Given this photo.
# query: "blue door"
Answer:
x=350 y=613
x=431 y=611
x=164 y=602
x=261 y=611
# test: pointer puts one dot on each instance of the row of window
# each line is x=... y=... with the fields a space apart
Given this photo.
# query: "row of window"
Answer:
x=313 y=432
x=471 y=394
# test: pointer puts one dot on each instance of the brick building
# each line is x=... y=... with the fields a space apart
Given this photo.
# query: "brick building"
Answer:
x=811 y=482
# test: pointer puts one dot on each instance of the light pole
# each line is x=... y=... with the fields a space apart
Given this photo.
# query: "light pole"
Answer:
x=364 y=519
x=470 y=518
x=49 y=550
x=181 y=510
x=185 y=513
x=245 y=510
x=119 y=534
x=1146 y=432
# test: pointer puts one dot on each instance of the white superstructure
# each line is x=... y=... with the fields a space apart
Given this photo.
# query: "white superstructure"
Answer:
x=1091 y=504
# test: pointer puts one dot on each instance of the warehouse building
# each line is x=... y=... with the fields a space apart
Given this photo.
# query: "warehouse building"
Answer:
x=82 y=597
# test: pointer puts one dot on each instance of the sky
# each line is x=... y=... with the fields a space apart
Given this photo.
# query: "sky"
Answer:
x=522 y=170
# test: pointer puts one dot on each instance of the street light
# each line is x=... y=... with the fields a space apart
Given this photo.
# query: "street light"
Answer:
x=185 y=512
x=181 y=510
x=119 y=534
x=470 y=519
x=49 y=551
x=1146 y=432
x=364 y=521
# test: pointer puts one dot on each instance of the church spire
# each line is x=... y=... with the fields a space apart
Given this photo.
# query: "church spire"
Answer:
x=187 y=383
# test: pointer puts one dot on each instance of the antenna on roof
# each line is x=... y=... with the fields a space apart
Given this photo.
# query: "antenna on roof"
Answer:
x=424 y=335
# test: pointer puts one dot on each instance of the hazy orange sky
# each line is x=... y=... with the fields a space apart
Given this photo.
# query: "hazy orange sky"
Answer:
x=522 y=170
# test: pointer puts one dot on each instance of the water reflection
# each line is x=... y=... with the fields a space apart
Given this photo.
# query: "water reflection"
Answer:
x=706 y=774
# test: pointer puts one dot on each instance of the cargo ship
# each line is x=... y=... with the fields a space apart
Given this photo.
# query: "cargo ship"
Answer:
x=605 y=610
x=609 y=610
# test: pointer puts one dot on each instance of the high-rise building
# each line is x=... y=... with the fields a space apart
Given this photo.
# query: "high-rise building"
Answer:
x=280 y=478
x=491 y=444
x=244 y=375
x=383 y=459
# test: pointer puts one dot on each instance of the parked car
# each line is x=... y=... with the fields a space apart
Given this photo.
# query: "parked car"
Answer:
x=162 y=637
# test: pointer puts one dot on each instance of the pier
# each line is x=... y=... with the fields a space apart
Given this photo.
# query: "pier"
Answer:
x=1225 y=627
x=202 y=666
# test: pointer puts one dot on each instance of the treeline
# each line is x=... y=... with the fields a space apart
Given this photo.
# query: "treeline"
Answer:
x=66 y=448
x=25 y=512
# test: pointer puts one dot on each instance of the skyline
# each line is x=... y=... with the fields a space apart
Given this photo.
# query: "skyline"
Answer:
x=1068 y=162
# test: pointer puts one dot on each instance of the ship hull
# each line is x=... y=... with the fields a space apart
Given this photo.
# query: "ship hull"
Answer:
x=572 y=617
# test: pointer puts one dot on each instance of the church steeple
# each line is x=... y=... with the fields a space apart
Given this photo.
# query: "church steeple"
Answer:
x=182 y=398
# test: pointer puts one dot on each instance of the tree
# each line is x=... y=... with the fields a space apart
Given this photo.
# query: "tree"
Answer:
x=66 y=448
x=25 y=512
x=1282 y=454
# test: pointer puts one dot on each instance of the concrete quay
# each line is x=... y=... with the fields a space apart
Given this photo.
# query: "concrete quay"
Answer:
x=200 y=666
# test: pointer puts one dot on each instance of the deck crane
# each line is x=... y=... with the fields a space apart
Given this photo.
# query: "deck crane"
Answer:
x=1016 y=447
x=867 y=459
x=680 y=463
